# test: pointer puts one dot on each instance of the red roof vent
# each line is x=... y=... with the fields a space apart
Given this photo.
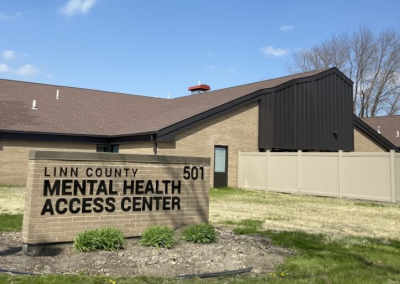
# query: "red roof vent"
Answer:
x=200 y=88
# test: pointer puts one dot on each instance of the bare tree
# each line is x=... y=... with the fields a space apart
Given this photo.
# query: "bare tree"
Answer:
x=371 y=61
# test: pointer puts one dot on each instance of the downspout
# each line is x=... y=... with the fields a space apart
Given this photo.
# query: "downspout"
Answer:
x=154 y=140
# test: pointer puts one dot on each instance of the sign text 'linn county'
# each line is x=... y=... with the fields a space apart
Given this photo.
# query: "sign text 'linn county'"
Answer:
x=96 y=195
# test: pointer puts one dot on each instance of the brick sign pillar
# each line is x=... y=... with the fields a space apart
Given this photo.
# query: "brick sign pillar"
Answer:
x=69 y=192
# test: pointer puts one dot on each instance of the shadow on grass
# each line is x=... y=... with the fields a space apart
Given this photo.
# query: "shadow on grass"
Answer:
x=321 y=260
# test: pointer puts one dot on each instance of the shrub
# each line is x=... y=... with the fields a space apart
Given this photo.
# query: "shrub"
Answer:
x=200 y=234
x=158 y=236
x=100 y=239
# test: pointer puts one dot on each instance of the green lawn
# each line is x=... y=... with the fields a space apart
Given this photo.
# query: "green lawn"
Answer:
x=10 y=222
x=320 y=258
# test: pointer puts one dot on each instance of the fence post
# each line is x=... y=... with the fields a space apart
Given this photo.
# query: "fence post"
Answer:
x=239 y=174
x=392 y=175
x=340 y=173
x=267 y=170
x=299 y=152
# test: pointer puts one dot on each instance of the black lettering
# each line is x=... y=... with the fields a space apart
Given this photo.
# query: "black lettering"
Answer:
x=147 y=203
x=99 y=172
x=110 y=201
x=66 y=185
x=98 y=205
x=123 y=207
x=176 y=201
x=52 y=190
x=71 y=205
x=126 y=172
x=45 y=172
x=195 y=173
x=81 y=188
x=149 y=187
x=63 y=172
x=157 y=199
x=110 y=188
x=74 y=172
x=186 y=172
x=136 y=203
x=139 y=185
x=89 y=170
x=47 y=208
x=58 y=203
x=176 y=187
x=166 y=203
x=202 y=172
x=166 y=185
x=108 y=174
x=91 y=183
x=118 y=172
x=130 y=187
x=134 y=172
x=102 y=188
x=87 y=205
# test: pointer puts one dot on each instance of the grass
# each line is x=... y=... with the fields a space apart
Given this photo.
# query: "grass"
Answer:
x=365 y=247
x=311 y=214
x=12 y=200
x=9 y=223
x=321 y=259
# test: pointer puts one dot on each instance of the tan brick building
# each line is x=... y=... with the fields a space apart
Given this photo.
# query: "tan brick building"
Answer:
x=284 y=114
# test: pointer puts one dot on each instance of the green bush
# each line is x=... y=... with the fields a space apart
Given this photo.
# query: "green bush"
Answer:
x=158 y=236
x=200 y=234
x=100 y=239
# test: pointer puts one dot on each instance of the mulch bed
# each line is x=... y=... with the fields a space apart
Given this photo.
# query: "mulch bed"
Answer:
x=231 y=252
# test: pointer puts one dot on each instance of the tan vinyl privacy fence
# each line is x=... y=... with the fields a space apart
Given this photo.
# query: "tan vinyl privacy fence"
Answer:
x=370 y=176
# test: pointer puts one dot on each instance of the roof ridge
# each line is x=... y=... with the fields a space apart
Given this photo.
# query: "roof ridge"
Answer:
x=318 y=71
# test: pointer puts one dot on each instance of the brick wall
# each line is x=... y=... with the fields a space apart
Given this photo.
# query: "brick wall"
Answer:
x=14 y=157
x=364 y=144
x=41 y=228
x=237 y=129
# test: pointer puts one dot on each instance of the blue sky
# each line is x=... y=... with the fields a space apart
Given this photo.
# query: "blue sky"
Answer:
x=158 y=47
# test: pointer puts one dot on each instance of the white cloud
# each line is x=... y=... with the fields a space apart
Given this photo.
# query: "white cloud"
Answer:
x=27 y=70
x=4 y=68
x=73 y=7
x=7 y=18
x=210 y=67
x=286 y=28
x=272 y=51
x=8 y=54
x=49 y=75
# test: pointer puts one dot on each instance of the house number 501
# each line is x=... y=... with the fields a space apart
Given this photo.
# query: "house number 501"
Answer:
x=193 y=172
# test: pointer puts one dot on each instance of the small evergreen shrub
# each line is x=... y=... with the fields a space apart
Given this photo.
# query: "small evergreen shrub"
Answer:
x=100 y=239
x=200 y=234
x=158 y=236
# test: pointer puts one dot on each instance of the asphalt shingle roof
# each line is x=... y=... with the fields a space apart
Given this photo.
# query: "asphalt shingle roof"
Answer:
x=389 y=125
x=91 y=112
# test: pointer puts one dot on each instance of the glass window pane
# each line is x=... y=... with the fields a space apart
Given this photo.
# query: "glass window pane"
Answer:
x=115 y=148
x=219 y=164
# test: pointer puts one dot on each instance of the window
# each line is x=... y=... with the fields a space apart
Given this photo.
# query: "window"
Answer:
x=104 y=148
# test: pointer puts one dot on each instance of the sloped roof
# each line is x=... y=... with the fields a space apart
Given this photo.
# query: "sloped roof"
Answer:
x=389 y=125
x=91 y=112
